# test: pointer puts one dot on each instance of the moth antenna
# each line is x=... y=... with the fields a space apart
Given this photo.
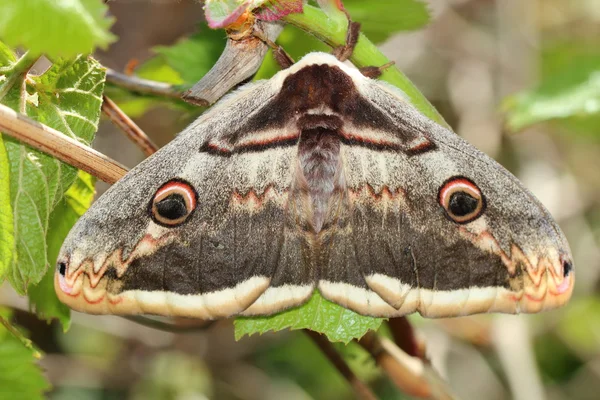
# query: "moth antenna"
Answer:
x=281 y=56
x=344 y=52
x=375 y=72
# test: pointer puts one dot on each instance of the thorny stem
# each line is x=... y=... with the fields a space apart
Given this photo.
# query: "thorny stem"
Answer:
x=15 y=332
x=16 y=72
x=361 y=390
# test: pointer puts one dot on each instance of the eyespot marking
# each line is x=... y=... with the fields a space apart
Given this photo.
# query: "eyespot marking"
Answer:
x=173 y=203
x=461 y=200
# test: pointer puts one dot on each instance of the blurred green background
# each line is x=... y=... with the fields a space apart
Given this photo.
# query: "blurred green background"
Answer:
x=520 y=79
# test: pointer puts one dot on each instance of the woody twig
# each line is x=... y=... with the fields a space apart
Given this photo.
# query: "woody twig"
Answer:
x=360 y=388
x=413 y=375
x=143 y=86
x=56 y=144
x=133 y=132
x=404 y=336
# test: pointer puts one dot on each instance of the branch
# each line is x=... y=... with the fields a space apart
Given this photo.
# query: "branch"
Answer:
x=133 y=132
x=405 y=338
x=361 y=390
x=143 y=86
x=19 y=336
x=410 y=374
x=239 y=61
x=56 y=144
x=16 y=72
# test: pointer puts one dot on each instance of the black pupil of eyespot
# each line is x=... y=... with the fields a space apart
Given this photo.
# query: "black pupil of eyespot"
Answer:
x=62 y=268
x=172 y=207
x=462 y=203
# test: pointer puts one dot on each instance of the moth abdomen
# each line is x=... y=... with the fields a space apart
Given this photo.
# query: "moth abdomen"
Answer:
x=320 y=166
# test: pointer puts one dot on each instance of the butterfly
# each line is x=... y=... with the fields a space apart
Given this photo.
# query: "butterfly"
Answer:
x=319 y=178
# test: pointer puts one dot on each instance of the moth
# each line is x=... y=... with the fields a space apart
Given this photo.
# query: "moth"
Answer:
x=319 y=178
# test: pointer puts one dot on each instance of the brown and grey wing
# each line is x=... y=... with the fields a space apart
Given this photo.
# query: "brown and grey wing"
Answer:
x=444 y=231
x=193 y=232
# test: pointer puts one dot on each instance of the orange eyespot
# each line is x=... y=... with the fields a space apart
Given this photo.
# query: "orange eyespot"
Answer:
x=173 y=203
x=461 y=199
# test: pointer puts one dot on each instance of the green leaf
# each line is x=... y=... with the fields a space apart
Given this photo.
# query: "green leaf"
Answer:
x=382 y=18
x=56 y=27
x=67 y=98
x=17 y=333
x=77 y=200
x=298 y=359
x=222 y=13
x=7 y=243
x=42 y=297
x=183 y=64
x=135 y=104
x=193 y=57
x=80 y=195
x=339 y=324
x=20 y=377
x=569 y=91
x=555 y=357
x=580 y=325
x=157 y=69
x=172 y=375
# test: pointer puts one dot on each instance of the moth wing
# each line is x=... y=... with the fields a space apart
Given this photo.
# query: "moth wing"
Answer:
x=392 y=250
x=239 y=250
x=269 y=219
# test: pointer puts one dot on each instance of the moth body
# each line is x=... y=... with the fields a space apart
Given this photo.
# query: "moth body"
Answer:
x=317 y=179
